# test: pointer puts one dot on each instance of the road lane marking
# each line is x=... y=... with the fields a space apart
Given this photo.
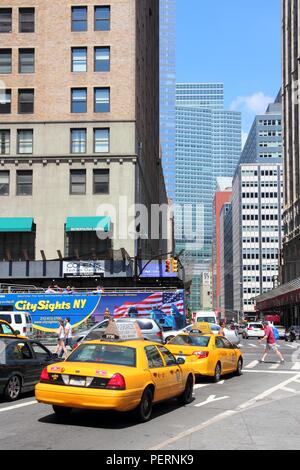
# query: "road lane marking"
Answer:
x=296 y=366
x=291 y=390
x=222 y=416
x=252 y=364
x=291 y=346
x=14 y=407
x=274 y=366
x=197 y=386
x=221 y=382
x=263 y=371
x=253 y=345
x=210 y=399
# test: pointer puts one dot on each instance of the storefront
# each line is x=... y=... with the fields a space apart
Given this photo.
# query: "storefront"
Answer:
x=285 y=300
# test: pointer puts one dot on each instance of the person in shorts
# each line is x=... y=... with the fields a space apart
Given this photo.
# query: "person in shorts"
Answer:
x=271 y=345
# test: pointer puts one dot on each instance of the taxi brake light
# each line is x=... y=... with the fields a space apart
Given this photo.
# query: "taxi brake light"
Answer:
x=45 y=376
x=201 y=354
x=117 y=382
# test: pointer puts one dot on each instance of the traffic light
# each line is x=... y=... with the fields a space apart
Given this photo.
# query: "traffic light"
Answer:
x=175 y=265
x=168 y=266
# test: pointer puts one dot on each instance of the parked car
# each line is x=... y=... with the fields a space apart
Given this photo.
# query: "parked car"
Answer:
x=292 y=333
x=151 y=331
x=254 y=330
x=20 y=321
x=21 y=363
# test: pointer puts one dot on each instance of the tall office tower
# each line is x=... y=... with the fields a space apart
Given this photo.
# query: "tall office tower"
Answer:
x=291 y=119
x=168 y=91
x=208 y=145
x=257 y=210
x=79 y=125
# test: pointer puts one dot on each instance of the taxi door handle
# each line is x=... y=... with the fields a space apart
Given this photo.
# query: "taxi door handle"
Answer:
x=155 y=374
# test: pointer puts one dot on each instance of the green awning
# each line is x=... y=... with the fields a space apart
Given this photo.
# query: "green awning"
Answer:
x=16 y=224
x=87 y=224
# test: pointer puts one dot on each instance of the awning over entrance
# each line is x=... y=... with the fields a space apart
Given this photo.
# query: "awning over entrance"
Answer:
x=286 y=294
x=16 y=224
x=88 y=224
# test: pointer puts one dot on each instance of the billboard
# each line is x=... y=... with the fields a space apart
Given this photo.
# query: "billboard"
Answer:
x=46 y=310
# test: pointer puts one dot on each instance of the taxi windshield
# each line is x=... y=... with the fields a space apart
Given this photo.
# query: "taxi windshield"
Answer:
x=104 y=354
x=191 y=340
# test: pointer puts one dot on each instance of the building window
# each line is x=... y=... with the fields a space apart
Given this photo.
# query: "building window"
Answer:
x=79 y=19
x=26 y=20
x=4 y=142
x=102 y=59
x=101 y=140
x=25 y=141
x=79 y=100
x=79 y=59
x=102 y=100
x=5 y=101
x=5 y=61
x=102 y=18
x=77 y=182
x=5 y=20
x=78 y=140
x=101 y=181
x=4 y=183
x=26 y=101
x=24 y=182
x=26 y=60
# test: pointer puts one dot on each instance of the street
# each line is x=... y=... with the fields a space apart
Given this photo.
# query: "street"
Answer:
x=259 y=410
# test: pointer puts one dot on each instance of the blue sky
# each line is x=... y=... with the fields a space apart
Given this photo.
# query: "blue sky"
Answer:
x=237 y=42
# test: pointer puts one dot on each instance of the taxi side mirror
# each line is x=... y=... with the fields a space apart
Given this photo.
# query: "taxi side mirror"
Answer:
x=180 y=361
x=17 y=333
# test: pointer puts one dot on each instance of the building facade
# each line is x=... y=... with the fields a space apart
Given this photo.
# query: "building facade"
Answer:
x=291 y=111
x=257 y=204
x=226 y=262
x=222 y=196
x=79 y=126
x=168 y=91
x=208 y=145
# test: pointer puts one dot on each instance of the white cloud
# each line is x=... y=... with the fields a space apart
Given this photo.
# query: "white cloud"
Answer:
x=256 y=103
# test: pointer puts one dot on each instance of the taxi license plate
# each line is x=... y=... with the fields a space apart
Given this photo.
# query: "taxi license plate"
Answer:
x=77 y=382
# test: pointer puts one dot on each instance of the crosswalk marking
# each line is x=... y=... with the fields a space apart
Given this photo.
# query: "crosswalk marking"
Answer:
x=252 y=365
x=296 y=366
x=253 y=345
x=197 y=386
x=274 y=366
x=291 y=346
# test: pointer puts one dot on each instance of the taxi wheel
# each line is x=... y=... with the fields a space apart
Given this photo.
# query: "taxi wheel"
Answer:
x=144 y=410
x=239 y=368
x=13 y=388
x=218 y=373
x=187 y=395
x=62 y=411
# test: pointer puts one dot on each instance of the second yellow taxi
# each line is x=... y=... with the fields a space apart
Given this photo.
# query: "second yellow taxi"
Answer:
x=208 y=354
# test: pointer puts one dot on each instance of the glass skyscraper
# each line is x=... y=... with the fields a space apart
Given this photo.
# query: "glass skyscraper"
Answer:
x=208 y=145
x=168 y=90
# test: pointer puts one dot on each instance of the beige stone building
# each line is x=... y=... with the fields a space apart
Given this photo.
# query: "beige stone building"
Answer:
x=79 y=125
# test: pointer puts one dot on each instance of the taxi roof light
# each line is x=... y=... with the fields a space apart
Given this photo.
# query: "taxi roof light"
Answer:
x=117 y=382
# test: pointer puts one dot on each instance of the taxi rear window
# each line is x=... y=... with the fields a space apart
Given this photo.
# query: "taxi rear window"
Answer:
x=104 y=354
x=190 y=340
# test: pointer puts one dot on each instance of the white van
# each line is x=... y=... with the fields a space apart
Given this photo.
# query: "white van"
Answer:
x=20 y=321
x=208 y=316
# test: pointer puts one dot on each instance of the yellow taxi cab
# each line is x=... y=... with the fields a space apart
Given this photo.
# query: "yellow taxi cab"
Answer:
x=208 y=354
x=7 y=331
x=116 y=374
